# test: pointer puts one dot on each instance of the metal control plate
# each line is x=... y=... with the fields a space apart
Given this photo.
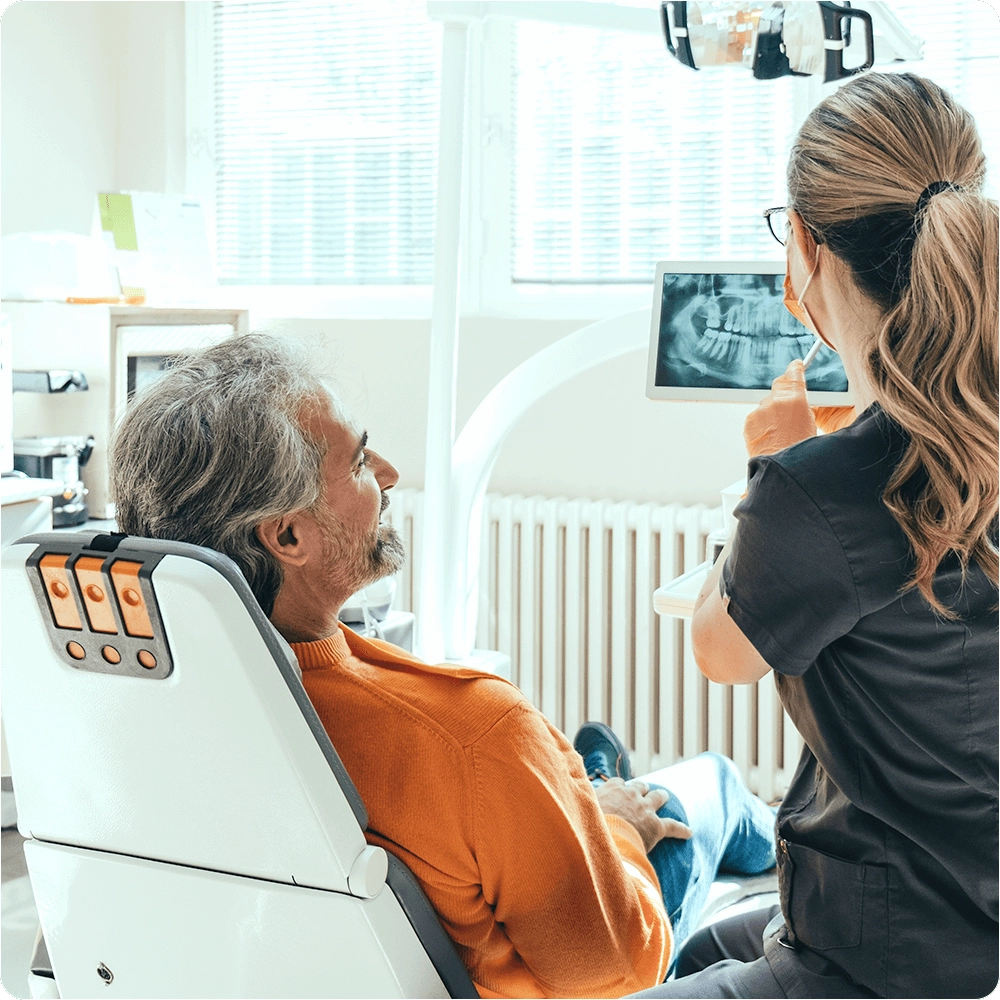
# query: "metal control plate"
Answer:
x=99 y=605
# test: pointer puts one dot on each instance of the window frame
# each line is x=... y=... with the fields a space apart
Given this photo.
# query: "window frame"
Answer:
x=487 y=288
x=491 y=290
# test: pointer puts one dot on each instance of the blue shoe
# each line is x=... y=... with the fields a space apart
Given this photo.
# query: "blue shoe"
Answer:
x=604 y=755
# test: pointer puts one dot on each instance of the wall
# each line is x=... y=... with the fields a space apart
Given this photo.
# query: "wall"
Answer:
x=57 y=114
x=149 y=71
x=93 y=99
x=597 y=436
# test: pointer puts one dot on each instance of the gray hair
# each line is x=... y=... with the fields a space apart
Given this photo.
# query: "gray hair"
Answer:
x=214 y=448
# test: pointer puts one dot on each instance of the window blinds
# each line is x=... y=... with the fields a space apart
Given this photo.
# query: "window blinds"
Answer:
x=962 y=54
x=326 y=121
x=623 y=157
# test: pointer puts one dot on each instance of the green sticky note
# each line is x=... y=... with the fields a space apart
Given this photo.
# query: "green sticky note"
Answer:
x=118 y=218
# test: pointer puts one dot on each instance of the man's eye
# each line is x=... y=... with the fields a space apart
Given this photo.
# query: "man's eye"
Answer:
x=363 y=460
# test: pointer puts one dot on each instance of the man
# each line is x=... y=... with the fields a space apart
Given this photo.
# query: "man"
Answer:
x=543 y=883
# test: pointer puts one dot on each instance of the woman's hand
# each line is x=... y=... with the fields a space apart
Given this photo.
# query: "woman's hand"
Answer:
x=637 y=803
x=783 y=418
x=833 y=418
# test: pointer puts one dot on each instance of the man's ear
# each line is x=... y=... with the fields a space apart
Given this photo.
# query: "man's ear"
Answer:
x=286 y=539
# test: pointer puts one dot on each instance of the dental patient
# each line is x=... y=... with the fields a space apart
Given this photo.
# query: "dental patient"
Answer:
x=553 y=877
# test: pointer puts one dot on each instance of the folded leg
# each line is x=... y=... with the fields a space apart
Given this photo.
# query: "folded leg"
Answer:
x=733 y=831
x=779 y=971
x=740 y=937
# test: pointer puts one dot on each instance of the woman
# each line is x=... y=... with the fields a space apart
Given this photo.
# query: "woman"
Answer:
x=863 y=571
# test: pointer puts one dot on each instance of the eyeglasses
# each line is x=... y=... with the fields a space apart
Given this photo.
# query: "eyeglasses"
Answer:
x=777 y=222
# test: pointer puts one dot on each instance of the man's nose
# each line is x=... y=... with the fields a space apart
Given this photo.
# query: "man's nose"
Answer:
x=385 y=472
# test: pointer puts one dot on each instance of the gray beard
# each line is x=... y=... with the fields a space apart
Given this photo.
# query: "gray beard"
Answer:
x=387 y=555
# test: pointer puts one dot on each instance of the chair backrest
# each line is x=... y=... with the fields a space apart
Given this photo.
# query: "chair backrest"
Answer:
x=152 y=712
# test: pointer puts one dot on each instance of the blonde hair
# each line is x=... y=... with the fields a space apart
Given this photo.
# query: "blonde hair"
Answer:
x=888 y=172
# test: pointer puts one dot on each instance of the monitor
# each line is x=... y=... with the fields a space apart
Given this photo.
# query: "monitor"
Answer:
x=720 y=332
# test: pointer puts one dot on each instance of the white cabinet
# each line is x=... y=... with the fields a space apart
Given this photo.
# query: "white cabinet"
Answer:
x=98 y=340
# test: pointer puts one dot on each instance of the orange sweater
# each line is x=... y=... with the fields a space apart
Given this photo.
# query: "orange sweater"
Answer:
x=490 y=808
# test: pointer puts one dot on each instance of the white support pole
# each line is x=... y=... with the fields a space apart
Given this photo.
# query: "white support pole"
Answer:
x=479 y=444
x=444 y=342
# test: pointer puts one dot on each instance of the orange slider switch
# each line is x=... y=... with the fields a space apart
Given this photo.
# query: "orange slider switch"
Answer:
x=125 y=576
x=95 y=600
x=59 y=592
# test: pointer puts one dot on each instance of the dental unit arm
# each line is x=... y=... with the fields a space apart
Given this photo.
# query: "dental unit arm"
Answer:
x=676 y=599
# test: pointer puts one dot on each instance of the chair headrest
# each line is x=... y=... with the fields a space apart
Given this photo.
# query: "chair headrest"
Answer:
x=145 y=613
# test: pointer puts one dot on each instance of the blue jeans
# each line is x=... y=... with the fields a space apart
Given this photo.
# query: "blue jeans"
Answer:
x=733 y=832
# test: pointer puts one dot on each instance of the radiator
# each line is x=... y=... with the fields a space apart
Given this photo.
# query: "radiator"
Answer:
x=566 y=591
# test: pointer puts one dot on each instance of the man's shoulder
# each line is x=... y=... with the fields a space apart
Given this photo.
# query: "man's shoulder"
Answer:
x=460 y=703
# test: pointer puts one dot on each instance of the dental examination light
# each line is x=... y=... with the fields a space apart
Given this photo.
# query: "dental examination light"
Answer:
x=783 y=39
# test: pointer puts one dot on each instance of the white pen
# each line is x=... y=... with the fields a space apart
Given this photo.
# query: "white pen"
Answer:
x=813 y=351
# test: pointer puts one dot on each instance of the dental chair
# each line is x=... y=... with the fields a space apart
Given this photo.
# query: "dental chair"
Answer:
x=191 y=829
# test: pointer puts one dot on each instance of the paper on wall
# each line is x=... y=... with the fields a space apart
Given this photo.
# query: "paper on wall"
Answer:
x=158 y=243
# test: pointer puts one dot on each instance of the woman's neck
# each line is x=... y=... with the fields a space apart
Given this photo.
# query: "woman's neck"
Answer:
x=852 y=356
x=850 y=321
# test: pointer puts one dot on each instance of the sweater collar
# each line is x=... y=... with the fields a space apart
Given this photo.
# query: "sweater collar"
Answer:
x=328 y=652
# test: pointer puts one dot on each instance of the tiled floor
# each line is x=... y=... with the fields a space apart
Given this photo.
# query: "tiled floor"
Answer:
x=18 y=919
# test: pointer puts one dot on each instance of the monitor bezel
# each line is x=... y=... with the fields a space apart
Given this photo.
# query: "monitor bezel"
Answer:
x=705 y=394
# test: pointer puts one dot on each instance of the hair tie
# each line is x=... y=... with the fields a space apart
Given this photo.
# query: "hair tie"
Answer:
x=935 y=187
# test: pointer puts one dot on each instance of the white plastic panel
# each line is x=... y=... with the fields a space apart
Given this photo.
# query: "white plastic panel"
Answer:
x=167 y=931
x=213 y=766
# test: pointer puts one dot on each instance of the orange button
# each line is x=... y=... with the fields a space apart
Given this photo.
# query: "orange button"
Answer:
x=75 y=650
x=147 y=659
x=57 y=590
x=125 y=576
x=92 y=584
x=111 y=654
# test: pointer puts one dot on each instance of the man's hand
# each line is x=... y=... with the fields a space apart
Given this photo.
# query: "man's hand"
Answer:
x=637 y=803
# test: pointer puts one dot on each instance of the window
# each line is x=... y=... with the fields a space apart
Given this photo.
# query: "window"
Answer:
x=622 y=156
x=962 y=54
x=591 y=154
x=325 y=141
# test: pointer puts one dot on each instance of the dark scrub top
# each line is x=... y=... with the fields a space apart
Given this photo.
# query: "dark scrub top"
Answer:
x=887 y=850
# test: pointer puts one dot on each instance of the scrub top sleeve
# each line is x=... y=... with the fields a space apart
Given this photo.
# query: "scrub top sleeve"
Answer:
x=787 y=582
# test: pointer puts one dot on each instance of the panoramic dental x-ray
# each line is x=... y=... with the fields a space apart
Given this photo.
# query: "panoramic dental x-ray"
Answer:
x=733 y=331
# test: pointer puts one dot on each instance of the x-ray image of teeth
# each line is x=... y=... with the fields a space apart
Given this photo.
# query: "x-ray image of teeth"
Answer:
x=732 y=331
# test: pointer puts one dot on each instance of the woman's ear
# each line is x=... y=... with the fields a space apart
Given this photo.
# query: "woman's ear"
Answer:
x=803 y=239
x=286 y=538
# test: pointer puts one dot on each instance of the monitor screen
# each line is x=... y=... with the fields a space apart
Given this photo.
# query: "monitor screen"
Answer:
x=731 y=331
x=145 y=369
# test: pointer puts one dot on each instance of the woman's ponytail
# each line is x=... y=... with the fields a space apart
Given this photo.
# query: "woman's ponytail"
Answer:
x=889 y=172
x=934 y=369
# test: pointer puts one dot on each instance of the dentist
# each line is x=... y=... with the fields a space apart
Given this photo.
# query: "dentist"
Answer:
x=863 y=571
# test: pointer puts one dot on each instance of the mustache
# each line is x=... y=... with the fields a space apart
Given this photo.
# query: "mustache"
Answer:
x=385 y=503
